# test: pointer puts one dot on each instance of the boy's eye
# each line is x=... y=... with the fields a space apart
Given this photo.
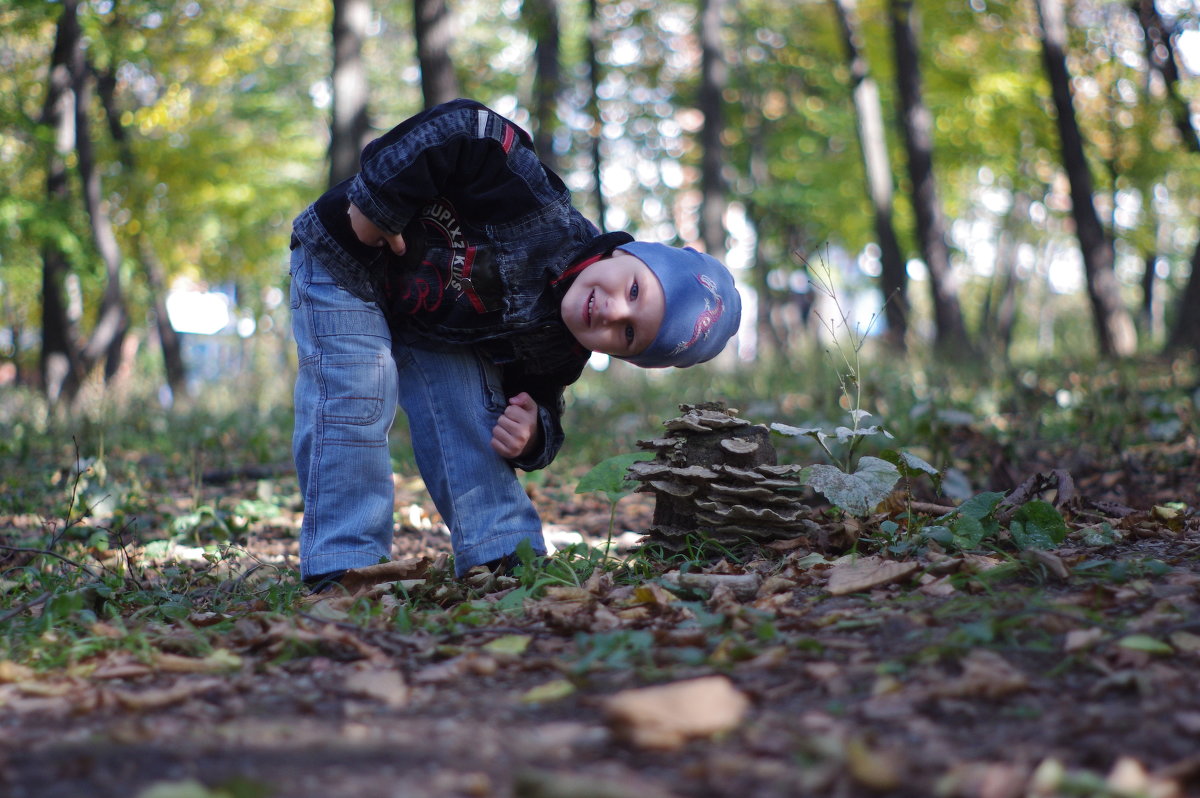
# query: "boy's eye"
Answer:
x=633 y=292
x=629 y=334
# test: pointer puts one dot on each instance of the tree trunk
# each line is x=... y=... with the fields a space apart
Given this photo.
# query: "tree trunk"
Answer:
x=1114 y=326
x=543 y=23
x=917 y=123
x=873 y=142
x=713 y=79
x=349 y=124
x=112 y=321
x=1161 y=55
x=1186 y=331
x=169 y=341
x=434 y=29
x=60 y=359
x=593 y=108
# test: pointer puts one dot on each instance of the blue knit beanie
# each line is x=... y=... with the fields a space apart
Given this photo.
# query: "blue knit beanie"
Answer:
x=702 y=306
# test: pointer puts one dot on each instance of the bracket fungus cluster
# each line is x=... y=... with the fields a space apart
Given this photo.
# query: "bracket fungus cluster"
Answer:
x=716 y=473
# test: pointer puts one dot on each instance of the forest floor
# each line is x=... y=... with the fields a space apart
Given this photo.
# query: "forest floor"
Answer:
x=177 y=657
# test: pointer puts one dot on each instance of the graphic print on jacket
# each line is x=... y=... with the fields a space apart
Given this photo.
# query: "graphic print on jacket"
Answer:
x=456 y=281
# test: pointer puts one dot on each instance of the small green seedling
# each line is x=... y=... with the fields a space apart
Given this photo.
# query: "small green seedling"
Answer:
x=611 y=477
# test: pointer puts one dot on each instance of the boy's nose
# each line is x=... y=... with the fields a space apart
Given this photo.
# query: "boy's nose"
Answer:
x=616 y=309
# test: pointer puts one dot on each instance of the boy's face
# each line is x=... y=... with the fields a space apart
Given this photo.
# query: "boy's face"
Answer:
x=615 y=306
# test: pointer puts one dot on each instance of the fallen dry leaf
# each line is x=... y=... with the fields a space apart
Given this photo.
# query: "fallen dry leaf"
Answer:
x=151 y=698
x=385 y=685
x=985 y=674
x=667 y=716
x=865 y=573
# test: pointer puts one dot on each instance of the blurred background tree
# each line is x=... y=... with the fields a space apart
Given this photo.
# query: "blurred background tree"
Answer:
x=151 y=146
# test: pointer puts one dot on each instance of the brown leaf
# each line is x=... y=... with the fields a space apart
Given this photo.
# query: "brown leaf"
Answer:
x=151 y=698
x=357 y=579
x=667 y=716
x=865 y=573
x=385 y=685
x=985 y=674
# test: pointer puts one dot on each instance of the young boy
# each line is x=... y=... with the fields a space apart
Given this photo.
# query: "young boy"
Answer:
x=452 y=276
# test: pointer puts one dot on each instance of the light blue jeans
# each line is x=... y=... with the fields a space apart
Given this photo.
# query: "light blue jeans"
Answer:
x=353 y=372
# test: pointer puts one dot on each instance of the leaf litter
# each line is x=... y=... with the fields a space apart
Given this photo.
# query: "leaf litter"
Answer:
x=987 y=661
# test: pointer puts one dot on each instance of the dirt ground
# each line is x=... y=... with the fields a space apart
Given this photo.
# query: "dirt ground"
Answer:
x=1070 y=673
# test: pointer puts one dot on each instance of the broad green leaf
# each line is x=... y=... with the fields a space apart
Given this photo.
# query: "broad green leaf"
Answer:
x=609 y=476
x=845 y=433
x=981 y=505
x=858 y=493
x=816 y=433
x=1037 y=525
x=968 y=532
x=911 y=466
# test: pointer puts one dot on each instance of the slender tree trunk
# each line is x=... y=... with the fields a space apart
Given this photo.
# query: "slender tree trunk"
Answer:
x=60 y=359
x=873 y=142
x=112 y=321
x=593 y=109
x=1185 y=333
x=434 y=28
x=713 y=79
x=169 y=340
x=349 y=124
x=917 y=123
x=547 y=83
x=1161 y=54
x=1114 y=326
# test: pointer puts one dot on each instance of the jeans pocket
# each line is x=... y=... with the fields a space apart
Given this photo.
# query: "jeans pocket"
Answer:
x=297 y=276
x=352 y=387
x=492 y=387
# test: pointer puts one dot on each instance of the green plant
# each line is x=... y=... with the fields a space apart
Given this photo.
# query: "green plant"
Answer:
x=611 y=477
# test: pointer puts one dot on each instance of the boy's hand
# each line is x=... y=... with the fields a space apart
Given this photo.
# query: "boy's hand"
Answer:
x=516 y=433
x=370 y=233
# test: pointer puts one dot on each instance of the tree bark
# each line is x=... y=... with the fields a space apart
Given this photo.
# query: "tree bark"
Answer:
x=593 y=109
x=713 y=79
x=349 y=123
x=112 y=320
x=169 y=341
x=1185 y=333
x=434 y=29
x=1114 y=326
x=1161 y=54
x=873 y=142
x=543 y=23
x=917 y=123
x=60 y=358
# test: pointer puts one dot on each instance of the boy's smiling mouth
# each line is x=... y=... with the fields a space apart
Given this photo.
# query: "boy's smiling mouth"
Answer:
x=587 y=308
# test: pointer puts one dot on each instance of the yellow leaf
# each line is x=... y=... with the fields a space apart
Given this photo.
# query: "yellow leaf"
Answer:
x=13 y=672
x=553 y=690
x=512 y=645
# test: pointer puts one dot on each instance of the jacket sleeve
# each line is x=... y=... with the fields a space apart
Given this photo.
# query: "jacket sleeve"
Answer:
x=548 y=393
x=460 y=150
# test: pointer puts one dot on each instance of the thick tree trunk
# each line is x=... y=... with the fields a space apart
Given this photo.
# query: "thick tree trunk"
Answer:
x=873 y=142
x=917 y=123
x=434 y=28
x=713 y=79
x=1161 y=54
x=542 y=16
x=593 y=109
x=1114 y=326
x=60 y=359
x=1185 y=333
x=349 y=124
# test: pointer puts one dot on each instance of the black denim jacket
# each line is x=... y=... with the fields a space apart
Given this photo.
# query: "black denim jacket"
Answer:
x=490 y=234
